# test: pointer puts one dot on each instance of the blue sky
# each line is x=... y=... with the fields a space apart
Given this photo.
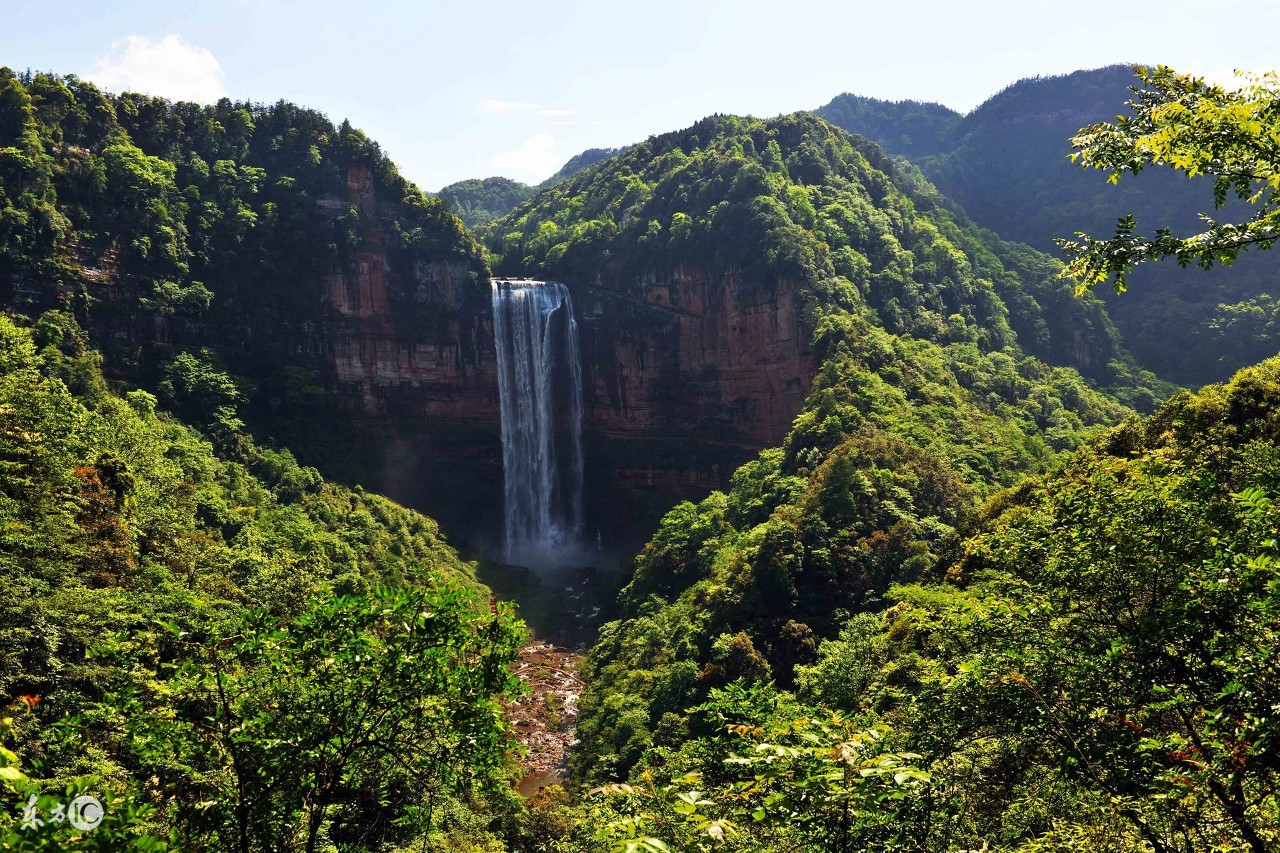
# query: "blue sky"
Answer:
x=469 y=89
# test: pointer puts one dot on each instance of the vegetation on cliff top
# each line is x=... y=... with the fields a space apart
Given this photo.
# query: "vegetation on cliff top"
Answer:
x=481 y=200
x=478 y=201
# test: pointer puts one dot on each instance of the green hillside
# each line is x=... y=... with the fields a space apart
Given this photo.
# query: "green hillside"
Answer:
x=578 y=162
x=1085 y=663
x=795 y=198
x=136 y=551
x=479 y=201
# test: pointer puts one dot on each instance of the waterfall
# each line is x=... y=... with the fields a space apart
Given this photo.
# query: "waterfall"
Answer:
x=536 y=337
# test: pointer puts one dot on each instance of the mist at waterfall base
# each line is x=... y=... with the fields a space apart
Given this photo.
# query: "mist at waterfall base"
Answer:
x=540 y=397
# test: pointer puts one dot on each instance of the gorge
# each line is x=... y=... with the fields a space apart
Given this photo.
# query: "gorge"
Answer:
x=911 y=552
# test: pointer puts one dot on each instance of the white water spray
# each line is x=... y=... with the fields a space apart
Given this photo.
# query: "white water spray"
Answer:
x=537 y=344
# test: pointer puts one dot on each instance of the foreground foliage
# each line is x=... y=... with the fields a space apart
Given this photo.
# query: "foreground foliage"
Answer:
x=768 y=773
x=229 y=651
x=341 y=727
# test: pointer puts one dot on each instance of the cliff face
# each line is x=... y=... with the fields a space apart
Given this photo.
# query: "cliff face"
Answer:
x=713 y=357
x=686 y=377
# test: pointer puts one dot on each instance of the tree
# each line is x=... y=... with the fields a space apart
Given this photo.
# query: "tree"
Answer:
x=39 y=821
x=200 y=392
x=767 y=774
x=347 y=722
x=1231 y=136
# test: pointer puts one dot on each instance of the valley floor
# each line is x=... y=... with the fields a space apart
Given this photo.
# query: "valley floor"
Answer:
x=544 y=718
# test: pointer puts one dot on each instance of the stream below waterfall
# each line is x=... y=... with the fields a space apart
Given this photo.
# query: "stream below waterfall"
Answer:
x=563 y=609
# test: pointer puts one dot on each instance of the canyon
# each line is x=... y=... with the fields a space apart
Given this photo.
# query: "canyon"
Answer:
x=686 y=375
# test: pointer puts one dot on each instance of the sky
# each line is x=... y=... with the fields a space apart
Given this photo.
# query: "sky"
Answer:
x=468 y=89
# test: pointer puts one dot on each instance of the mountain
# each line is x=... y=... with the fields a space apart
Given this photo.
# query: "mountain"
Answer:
x=914 y=129
x=760 y=201
x=479 y=201
x=1044 y=650
x=941 y=535
x=273 y=244
x=1006 y=163
x=924 y=578
x=578 y=162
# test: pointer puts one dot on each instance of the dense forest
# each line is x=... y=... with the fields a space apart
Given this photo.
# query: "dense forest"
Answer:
x=1002 y=586
x=477 y=202
x=210 y=633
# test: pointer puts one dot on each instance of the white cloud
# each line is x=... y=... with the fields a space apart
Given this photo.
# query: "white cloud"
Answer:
x=497 y=105
x=170 y=67
x=536 y=158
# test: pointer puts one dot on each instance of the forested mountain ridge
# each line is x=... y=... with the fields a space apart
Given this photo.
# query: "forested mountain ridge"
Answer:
x=865 y=607
x=478 y=201
x=1006 y=163
x=930 y=392
x=578 y=162
x=481 y=200
x=179 y=585
x=261 y=238
x=915 y=129
x=794 y=197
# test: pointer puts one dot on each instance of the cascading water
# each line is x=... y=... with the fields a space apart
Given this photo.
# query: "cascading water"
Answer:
x=537 y=345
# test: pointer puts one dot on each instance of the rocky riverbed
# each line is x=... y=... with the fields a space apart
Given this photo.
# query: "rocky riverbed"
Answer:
x=544 y=719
